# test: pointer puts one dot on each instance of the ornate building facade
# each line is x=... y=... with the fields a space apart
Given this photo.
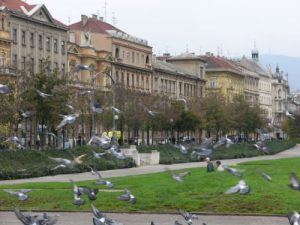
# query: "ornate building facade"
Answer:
x=280 y=93
x=104 y=47
x=35 y=36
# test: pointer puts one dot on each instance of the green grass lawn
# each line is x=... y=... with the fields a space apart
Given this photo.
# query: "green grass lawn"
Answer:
x=200 y=192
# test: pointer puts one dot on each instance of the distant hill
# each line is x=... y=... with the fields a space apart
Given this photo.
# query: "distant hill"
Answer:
x=288 y=64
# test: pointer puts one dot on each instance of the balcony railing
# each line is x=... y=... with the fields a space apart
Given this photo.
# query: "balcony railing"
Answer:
x=8 y=71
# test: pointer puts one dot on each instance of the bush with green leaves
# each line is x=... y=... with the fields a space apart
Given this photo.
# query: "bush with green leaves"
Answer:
x=32 y=163
x=169 y=154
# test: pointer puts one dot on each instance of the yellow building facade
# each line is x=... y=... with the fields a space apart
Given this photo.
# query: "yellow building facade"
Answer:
x=6 y=71
x=223 y=77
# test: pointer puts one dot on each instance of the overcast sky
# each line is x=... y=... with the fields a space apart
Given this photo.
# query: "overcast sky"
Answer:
x=232 y=26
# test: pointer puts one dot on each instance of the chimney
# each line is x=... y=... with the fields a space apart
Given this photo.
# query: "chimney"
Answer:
x=101 y=18
x=94 y=16
x=84 y=19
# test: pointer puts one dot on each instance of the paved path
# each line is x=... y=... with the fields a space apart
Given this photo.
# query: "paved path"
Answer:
x=8 y=218
x=293 y=152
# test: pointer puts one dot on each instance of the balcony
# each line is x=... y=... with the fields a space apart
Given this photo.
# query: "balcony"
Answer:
x=8 y=71
x=118 y=60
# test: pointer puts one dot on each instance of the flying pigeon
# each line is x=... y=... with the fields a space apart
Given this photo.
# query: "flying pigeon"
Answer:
x=4 y=89
x=179 y=177
x=177 y=222
x=70 y=107
x=150 y=112
x=203 y=150
x=294 y=218
x=103 y=141
x=67 y=163
x=15 y=140
x=88 y=92
x=182 y=149
x=118 y=111
x=67 y=119
x=21 y=195
x=288 y=114
x=101 y=181
x=96 y=108
x=266 y=176
x=294 y=182
x=115 y=151
x=42 y=94
x=261 y=146
x=185 y=103
x=241 y=188
x=223 y=141
x=101 y=219
x=98 y=155
x=127 y=196
x=187 y=216
x=234 y=171
x=90 y=192
x=77 y=200
x=25 y=114
x=28 y=219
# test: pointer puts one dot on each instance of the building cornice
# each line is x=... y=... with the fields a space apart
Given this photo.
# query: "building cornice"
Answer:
x=25 y=17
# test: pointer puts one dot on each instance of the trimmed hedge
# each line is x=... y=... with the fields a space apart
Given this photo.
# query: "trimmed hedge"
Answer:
x=169 y=154
x=33 y=163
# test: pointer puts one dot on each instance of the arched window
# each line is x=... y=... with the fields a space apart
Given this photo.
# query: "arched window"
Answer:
x=279 y=93
x=147 y=59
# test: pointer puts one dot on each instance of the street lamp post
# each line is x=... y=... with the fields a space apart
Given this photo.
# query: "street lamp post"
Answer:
x=93 y=78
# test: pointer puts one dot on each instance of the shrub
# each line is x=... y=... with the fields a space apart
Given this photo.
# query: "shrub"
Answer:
x=32 y=163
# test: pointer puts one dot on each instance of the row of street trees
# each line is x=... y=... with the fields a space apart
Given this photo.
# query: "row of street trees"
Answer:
x=211 y=114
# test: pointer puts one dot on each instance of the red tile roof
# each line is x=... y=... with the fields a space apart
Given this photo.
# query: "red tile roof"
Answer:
x=93 y=25
x=220 y=63
x=16 y=4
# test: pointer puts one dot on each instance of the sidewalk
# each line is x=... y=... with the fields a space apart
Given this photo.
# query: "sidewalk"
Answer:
x=8 y=218
x=290 y=153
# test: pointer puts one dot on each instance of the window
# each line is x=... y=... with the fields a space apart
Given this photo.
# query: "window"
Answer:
x=117 y=77
x=201 y=72
x=23 y=63
x=123 y=77
x=14 y=35
x=117 y=53
x=31 y=40
x=31 y=64
x=213 y=83
x=48 y=44
x=132 y=80
x=138 y=58
x=23 y=37
x=132 y=57
x=63 y=47
x=15 y=60
x=56 y=66
x=55 y=46
x=127 y=79
x=2 y=23
x=40 y=63
x=147 y=59
x=3 y=59
x=40 y=41
x=128 y=56
x=63 y=68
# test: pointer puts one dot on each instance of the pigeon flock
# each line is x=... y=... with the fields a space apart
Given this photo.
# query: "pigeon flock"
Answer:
x=104 y=142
